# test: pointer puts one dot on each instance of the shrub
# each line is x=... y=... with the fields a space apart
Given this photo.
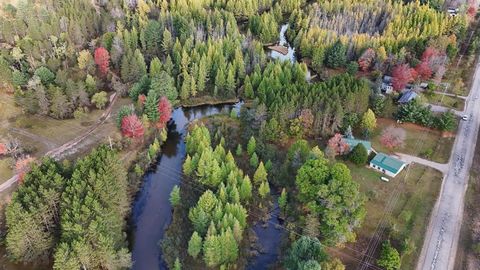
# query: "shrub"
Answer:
x=359 y=154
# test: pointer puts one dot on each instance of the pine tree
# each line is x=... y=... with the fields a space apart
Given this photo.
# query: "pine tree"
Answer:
x=248 y=89
x=239 y=150
x=185 y=90
x=188 y=166
x=230 y=83
x=202 y=75
x=151 y=107
x=251 y=146
x=175 y=196
x=195 y=245
x=260 y=174
x=282 y=201
x=246 y=189
x=155 y=68
x=167 y=42
x=264 y=189
x=220 y=81
x=254 y=160
x=177 y=265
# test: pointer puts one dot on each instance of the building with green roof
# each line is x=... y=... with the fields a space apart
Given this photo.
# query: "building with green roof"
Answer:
x=352 y=142
x=387 y=164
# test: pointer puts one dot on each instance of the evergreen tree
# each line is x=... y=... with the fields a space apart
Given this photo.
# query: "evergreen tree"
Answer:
x=195 y=245
x=246 y=189
x=251 y=146
x=282 y=201
x=155 y=68
x=264 y=189
x=254 y=160
x=175 y=196
x=151 y=107
x=239 y=150
x=260 y=174
x=336 y=55
x=248 y=89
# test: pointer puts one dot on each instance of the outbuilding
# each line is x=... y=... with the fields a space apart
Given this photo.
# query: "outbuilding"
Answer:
x=352 y=142
x=387 y=164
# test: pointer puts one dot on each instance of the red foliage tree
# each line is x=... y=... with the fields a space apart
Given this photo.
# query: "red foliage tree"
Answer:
x=366 y=60
x=22 y=166
x=393 y=137
x=165 y=110
x=429 y=53
x=424 y=71
x=472 y=8
x=402 y=74
x=3 y=149
x=336 y=146
x=102 y=59
x=132 y=127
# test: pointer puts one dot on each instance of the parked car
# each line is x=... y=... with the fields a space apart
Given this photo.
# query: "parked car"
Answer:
x=465 y=117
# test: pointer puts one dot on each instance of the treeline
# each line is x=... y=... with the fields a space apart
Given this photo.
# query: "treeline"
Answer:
x=288 y=104
x=195 y=46
x=388 y=27
x=75 y=213
x=38 y=56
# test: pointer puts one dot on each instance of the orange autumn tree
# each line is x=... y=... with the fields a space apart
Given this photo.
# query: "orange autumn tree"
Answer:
x=22 y=166
x=102 y=59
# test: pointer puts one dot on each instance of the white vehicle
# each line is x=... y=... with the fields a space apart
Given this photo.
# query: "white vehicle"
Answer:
x=465 y=117
x=385 y=179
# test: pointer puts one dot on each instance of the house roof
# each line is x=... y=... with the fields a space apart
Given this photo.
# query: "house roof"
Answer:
x=353 y=142
x=387 y=163
x=407 y=96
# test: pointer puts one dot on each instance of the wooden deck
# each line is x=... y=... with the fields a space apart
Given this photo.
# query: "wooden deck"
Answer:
x=280 y=49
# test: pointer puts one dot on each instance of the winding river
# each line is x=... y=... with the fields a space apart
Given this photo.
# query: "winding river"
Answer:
x=152 y=212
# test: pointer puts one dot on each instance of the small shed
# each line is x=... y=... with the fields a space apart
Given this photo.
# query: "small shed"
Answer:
x=352 y=142
x=387 y=164
x=386 y=85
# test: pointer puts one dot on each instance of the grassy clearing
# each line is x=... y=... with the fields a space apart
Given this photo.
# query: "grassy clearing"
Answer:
x=447 y=101
x=6 y=170
x=420 y=141
x=62 y=131
x=418 y=189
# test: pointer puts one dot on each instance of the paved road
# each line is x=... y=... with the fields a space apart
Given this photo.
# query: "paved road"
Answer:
x=441 y=240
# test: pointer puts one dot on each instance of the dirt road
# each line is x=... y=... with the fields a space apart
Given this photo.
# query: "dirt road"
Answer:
x=57 y=153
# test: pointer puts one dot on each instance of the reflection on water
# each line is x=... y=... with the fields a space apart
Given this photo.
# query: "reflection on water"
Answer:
x=269 y=238
x=152 y=212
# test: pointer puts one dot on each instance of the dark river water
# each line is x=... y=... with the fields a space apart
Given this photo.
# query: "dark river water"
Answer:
x=152 y=212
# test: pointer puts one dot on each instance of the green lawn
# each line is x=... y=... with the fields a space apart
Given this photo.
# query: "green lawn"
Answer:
x=420 y=141
x=418 y=189
x=5 y=169
x=447 y=101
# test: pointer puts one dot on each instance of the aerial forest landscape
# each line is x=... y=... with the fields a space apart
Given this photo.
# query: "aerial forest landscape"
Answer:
x=239 y=134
